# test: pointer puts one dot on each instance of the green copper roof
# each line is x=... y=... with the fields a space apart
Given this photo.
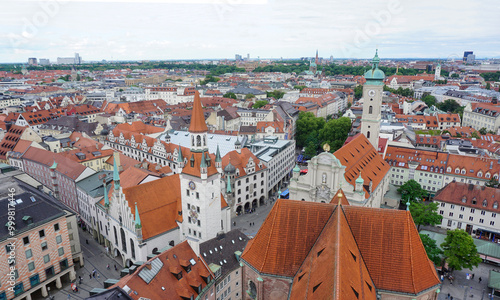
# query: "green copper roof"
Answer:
x=54 y=165
x=116 y=175
x=375 y=74
x=296 y=169
x=217 y=155
x=203 y=163
x=106 y=198
x=228 y=190
x=360 y=179
x=137 y=218
x=179 y=156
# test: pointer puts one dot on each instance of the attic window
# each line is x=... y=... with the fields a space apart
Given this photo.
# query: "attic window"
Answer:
x=464 y=199
x=353 y=256
x=369 y=286
x=316 y=287
x=485 y=203
x=355 y=293
x=474 y=201
x=300 y=277
x=320 y=251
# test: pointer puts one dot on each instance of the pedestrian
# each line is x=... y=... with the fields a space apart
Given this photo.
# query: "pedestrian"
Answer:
x=472 y=275
x=480 y=279
x=107 y=266
x=98 y=277
x=116 y=268
x=448 y=296
x=451 y=298
x=90 y=276
x=87 y=241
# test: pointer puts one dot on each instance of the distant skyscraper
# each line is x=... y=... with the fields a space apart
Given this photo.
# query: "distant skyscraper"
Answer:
x=467 y=53
x=32 y=61
x=248 y=56
x=44 y=62
x=238 y=57
x=78 y=59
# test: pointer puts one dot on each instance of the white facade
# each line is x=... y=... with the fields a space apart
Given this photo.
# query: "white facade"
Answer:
x=370 y=120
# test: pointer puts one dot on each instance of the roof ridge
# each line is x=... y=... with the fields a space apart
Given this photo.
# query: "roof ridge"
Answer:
x=276 y=206
x=408 y=217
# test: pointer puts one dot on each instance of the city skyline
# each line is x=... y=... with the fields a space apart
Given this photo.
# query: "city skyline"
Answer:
x=209 y=29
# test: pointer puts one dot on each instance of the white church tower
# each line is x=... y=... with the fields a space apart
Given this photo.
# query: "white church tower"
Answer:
x=372 y=102
x=437 y=74
x=200 y=185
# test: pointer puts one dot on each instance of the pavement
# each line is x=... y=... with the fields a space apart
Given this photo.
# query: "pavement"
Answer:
x=463 y=288
x=94 y=257
x=256 y=218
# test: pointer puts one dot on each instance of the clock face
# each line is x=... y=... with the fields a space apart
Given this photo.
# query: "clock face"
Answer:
x=371 y=93
x=192 y=185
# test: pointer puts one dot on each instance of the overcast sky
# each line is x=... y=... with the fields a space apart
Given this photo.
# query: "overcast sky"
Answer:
x=196 y=29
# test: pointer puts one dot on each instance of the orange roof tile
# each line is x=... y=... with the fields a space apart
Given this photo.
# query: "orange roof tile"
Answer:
x=197 y=118
x=339 y=198
x=159 y=211
x=470 y=195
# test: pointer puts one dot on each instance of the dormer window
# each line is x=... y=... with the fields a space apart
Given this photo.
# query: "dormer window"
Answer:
x=479 y=174
x=488 y=175
x=474 y=201
x=464 y=199
x=485 y=203
x=495 y=205
x=457 y=171
x=463 y=171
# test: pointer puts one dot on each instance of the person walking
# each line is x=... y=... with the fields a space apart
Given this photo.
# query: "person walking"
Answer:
x=480 y=279
x=90 y=276
x=472 y=275
x=116 y=269
x=107 y=266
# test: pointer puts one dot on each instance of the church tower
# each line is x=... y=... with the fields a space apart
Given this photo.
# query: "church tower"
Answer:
x=200 y=185
x=437 y=74
x=372 y=102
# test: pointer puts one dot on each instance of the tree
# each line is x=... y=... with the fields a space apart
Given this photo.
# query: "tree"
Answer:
x=412 y=191
x=492 y=183
x=483 y=131
x=307 y=129
x=431 y=248
x=208 y=79
x=259 y=104
x=335 y=133
x=358 y=92
x=230 y=95
x=475 y=135
x=300 y=87
x=249 y=96
x=275 y=94
x=78 y=77
x=455 y=75
x=459 y=250
x=429 y=100
x=488 y=86
x=449 y=105
x=425 y=214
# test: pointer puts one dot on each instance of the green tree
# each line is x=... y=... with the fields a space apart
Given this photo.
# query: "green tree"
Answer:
x=358 y=92
x=275 y=94
x=483 y=131
x=249 y=96
x=311 y=149
x=475 y=135
x=259 y=104
x=429 y=100
x=209 y=78
x=455 y=75
x=307 y=129
x=459 y=250
x=300 y=87
x=412 y=191
x=488 y=86
x=230 y=95
x=431 y=248
x=449 y=105
x=78 y=77
x=335 y=133
x=492 y=183
x=425 y=214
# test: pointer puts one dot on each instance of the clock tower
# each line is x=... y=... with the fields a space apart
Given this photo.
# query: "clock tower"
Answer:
x=372 y=102
x=202 y=216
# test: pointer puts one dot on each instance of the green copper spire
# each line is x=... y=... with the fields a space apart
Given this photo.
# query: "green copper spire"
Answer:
x=229 y=190
x=203 y=163
x=408 y=205
x=137 y=218
x=217 y=155
x=106 y=198
x=179 y=156
x=116 y=175
x=296 y=169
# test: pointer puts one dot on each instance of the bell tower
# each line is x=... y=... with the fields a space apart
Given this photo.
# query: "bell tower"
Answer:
x=372 y=102
x=198 y=128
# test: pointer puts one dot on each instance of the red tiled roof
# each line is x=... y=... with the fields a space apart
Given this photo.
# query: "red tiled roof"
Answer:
x=10 y=140
x=65 y=165
x=469 y=195
x=197 y=118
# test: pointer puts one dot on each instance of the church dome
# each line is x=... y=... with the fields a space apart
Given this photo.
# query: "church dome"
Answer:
x=296 y=169
x=229 y=168
x=375 y=73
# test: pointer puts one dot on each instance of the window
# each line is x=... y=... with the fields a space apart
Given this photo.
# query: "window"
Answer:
x=471 y=218
x=449 y=223
x=481 y=221
x=26 y=240
x=58 y=239
x=460 y=216
x=483 y=213
x=56 y=227
x=31 y=266
x=492 y=223
x=472 y=210
x=452 y=206
x=71 y=236
x=28 y=253
x=451 y=214
x=60 y=251
x=41 y=233
x=46 y=258
x=69 y=225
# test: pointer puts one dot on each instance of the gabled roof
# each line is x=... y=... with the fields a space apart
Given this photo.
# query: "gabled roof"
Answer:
x=10 y=139
x=294 y=233
x=197 y=118
x=469 y=195
x=157 y=279
x=359 y=156
x=159 y=211
x=139 y=127
x=336 y=255
x=65 y=166
x=240 y=161
x=339 y=198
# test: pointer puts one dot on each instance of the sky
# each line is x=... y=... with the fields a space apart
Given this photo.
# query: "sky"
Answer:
x=218 y=29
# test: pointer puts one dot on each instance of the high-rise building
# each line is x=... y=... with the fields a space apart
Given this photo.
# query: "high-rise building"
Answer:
x=78 y=59
x=466 y=54
x=238 y=57
x=372 y=102
x=32 y=61
x=44 y=62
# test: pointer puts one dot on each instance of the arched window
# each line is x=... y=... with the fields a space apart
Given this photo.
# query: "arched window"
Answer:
x=370 y=110
x=488 y=175
x=132 y=248
x=252 y=290
x=192 y=141
x=198 y=141
x=479 y=174
x=116 y=236
x=124 y=241
x=464 y=199
x=204 y=141
x=368 y=134
x=485 y=203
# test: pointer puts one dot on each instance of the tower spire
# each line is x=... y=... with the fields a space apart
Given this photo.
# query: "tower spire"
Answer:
x=198 y=124
x=116 y=175
x=137 y=218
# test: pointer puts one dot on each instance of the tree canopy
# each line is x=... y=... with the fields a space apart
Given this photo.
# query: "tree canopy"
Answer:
x=307 y=129
x=492 y=76
x=275 y=94
x=425 y=214
x=300 y=87
x=433 y=251
x=249 y=96
x=429 y=100
x=209 y=78
x=230 y=95
x=259 y=103
x=459 y=250
x=335 y=133
x=412 y=191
